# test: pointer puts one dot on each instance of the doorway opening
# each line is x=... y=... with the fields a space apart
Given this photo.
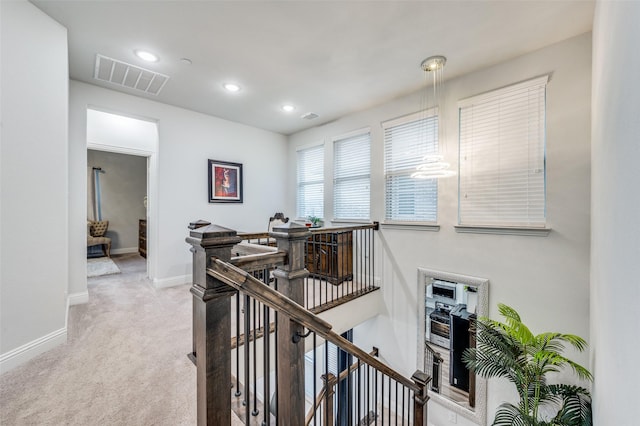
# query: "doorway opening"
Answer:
x=117 y=198
x=122 y=183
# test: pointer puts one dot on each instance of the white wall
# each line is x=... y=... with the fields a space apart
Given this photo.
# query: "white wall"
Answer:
x=186 y=140
x=34 y=263
x=545 y=278
x=114 y=131
x=123 y=188
x=615 y=248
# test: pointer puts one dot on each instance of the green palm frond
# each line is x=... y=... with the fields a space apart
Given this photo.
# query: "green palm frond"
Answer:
x=550 y=361
x=516 y=332
x=495 y=355
x=493 y=336
x=509 y=349
x=581 y=371
x=558 y=339
x=484 y=363
x=576 y=341
x=509 y=313
x=515 y=327
x=576 y=405
x=510 y=415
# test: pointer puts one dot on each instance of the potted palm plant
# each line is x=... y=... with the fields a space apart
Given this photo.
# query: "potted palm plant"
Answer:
x=512 y=351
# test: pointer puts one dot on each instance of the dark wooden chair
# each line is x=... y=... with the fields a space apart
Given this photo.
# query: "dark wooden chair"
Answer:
x=275 y=220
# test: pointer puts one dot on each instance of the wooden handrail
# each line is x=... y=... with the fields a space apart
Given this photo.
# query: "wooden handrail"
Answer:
x=261 y=235
x=436 y=362
x=344 y=373
x=253 y=235
x=266 y=260
x=433 y=352
x=375 y=226
x=323 y=392
x=247 y=248
x=241 y=280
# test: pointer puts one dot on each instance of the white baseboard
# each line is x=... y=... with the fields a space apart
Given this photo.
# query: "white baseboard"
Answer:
x=78 y=298
x=172 y=281
x=125 y=250
x=24 y=353
x=75 y=299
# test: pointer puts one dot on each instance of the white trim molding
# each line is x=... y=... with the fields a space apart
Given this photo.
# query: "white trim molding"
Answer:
x=503 y=230
x=24 y=353
x=479 y=413
x=75 y=299
x=78 y=298
x=172 y=281
x=125 y=250
x=410 y=226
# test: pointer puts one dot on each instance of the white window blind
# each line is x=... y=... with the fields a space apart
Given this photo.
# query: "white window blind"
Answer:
x=352 y=176
x=311 y=182
x=502 y=157
x=406 y=141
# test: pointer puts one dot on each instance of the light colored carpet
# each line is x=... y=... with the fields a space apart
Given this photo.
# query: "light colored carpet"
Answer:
x=101 y=266
x=124 y=363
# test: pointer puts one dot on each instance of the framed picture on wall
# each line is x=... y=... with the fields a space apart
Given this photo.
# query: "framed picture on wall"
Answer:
x=225 y=182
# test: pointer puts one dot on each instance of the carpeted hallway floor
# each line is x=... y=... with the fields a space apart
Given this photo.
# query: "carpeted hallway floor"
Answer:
x=124 y=362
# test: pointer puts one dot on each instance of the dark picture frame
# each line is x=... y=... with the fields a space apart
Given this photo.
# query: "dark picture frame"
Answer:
x=225 y=182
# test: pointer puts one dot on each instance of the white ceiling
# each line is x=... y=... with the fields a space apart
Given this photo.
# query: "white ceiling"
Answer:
x=327 y=57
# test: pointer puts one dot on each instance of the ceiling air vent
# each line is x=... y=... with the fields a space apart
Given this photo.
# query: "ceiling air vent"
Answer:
x=127 y=75
x=310 y=116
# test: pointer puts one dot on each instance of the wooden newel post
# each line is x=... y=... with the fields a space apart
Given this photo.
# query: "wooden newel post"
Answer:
x=211 y=323
x=292 y=238
x=420 y=398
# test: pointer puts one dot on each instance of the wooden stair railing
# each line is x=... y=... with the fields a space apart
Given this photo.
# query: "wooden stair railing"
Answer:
x=254 y=254
x=215 y=280
x=433 y=363
x=251 y=257
x=340 y=259
x=244 y=282
x=320 y=398
x=330 y=382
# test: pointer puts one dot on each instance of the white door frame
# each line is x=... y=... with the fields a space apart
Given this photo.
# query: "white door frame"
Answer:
x=152 y=188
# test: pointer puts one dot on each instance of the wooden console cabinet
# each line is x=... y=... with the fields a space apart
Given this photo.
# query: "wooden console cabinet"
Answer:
x=142 y=237
x=330 y=256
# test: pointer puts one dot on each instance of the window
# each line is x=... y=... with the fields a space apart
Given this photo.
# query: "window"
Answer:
x=406 y=141
x=351 y=176
x=311 y=182
x=502 y=157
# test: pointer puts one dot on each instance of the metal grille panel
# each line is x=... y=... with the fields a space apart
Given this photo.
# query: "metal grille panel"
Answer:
x=127 y=75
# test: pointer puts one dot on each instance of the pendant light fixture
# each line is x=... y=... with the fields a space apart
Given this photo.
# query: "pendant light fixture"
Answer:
x=433 y=165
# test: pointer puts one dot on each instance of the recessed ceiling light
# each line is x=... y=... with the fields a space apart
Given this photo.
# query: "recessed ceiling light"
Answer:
x=146 y=56
x=231 y=87
x=186 y=61
x=288 y=108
